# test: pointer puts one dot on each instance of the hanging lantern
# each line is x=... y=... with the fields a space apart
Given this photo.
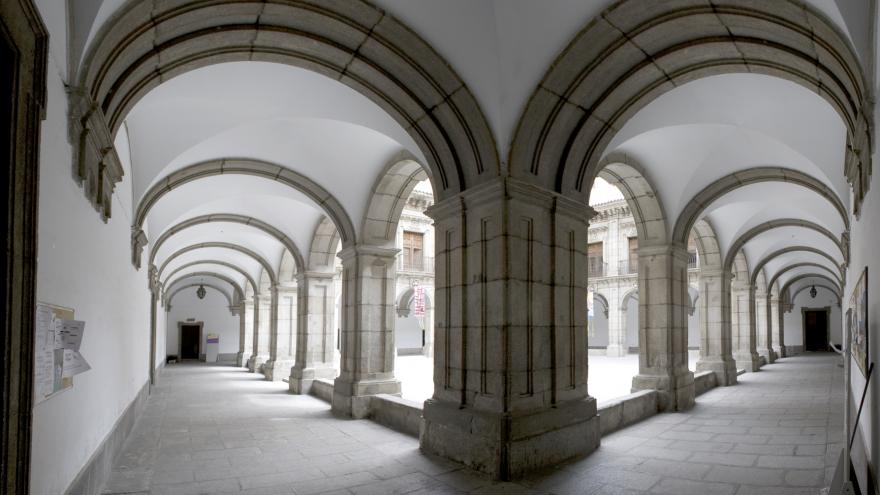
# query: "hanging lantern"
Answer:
x=813 y=292
x=200 y=292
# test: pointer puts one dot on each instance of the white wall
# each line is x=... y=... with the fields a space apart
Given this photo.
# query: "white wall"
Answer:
x=794 y=320
x=85 y=265
x=213 y=310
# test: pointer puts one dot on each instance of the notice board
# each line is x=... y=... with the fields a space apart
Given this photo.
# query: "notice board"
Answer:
x=56 y=350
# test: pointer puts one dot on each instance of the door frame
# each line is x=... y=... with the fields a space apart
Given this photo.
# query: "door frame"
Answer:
x=23 y=31
x=827 y=310
x=180 y=325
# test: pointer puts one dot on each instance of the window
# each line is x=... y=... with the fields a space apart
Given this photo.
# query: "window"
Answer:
x=633 y=261
x=413 y=252
x=595 y=262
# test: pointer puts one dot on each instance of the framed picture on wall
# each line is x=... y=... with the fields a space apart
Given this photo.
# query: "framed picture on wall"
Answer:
x=858 y=322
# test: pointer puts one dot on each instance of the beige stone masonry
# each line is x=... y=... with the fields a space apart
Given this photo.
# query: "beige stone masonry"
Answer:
x=743 y=328
x=316 y=299
x=715 y=339
x=663 y=303
x=367 y=329
x=282 y=340
x=510 y=366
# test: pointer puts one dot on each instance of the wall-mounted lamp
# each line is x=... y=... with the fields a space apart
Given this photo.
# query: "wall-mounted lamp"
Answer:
x=200 y=292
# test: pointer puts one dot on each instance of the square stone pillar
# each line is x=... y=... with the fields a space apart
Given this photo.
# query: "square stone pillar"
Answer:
x=255 y=332
x=265 y=324
x=743 y=327
x=617 y=342
x=316 y=301
x=245 y=327
x=510 y=347
x=368 y=279
x=282 y=339
x=778 y=327
x=715 y=341
x=763 y=327
x=663 y=350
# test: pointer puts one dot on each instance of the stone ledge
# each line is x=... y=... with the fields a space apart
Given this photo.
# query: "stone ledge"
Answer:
x=704 y=381
x=615 y=414
x=323 y=389
x=396 y=413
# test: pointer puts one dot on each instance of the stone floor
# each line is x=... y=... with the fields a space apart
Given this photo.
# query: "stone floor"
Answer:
x=211 y=429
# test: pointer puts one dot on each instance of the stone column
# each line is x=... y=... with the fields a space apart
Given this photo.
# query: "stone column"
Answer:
x=282 y=339
x=617 y=341
x=663 y=303
x=743 y=325
x=715 y=340
x=776 y=319
x=256 y=360
x=763 y=327
x=510 y=353
x=367 y=329
x=316 y=300
x=246 y=345
x=242 y=334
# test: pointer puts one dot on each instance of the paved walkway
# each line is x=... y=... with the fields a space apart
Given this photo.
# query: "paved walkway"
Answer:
x=210 y=429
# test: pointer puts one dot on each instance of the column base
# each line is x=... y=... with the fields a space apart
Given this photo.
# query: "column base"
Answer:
x=676 y=391
x=301 y=380
x=615 y=350
x=725 y=370
x=779 y=351
x=275 y=370
x=240 y=360
x=255 y=362
x=748 y=361
x=768 y=355
x=352 y=398
x=507 y=446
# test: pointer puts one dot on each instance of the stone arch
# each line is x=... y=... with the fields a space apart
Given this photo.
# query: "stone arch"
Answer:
x=286 y=241
x=604 y=300
x=791 y=249
x=629 y=55
x=189 y=286
x=803 y=264
x=736 y=180
x=289 y=268
x=829 y=289
x=739 y=266
x=389 y=194
x=776 y=224
x=223 y=245
x=784 y=291
x=325 y=241
x=405 y=298
x=625 y=173
x=707 y=245
x=237 y=290
x=242 y=166
x=355 y=43
x=250 y=280
x=693 y=296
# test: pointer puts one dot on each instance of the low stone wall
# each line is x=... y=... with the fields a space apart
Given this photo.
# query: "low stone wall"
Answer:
x=703 y=381
x=623 y=411
x=323 y=389
x=396 y=413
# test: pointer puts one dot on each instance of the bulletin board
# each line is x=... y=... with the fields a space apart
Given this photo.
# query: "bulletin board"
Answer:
x=56 y=350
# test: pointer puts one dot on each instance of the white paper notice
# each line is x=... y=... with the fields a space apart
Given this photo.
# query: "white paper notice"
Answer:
x=72 y=333
x=74 y=363
x=44 y=353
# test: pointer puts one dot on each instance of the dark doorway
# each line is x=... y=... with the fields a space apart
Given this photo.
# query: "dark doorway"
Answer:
x=189 y=341
x=815 y=330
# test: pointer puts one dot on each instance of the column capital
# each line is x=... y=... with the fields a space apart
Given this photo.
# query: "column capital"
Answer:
x=352 y=252
x=303 y=276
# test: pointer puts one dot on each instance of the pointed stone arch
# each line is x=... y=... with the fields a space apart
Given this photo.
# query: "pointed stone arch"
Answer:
x=241 y=166
x=286 y=241
x=355 y=43
x=695 y=207
x=629 y=55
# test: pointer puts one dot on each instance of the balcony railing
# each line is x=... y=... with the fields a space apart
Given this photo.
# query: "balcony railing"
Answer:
x=596 y=268
x=425 y=264
x=693 y=261
x=628 y=267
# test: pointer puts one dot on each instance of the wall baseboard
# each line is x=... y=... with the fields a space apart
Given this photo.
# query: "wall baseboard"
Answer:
x=96 y=472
